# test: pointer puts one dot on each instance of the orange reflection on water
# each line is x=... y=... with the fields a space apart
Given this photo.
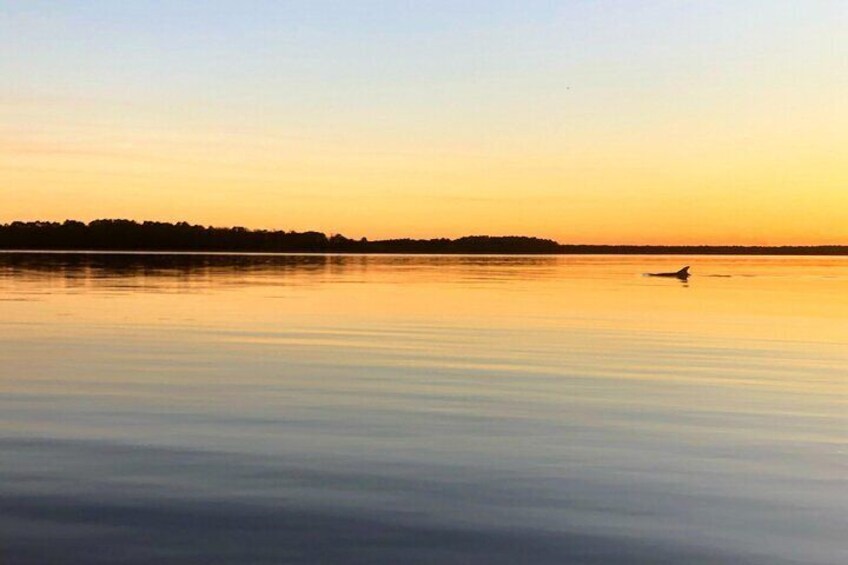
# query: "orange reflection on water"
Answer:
x=758 y=297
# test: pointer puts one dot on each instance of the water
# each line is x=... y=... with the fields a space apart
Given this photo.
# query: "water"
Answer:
x=395 y=409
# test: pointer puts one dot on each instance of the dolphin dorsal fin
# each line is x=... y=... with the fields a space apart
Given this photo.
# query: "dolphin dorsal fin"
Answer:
x=684 y=270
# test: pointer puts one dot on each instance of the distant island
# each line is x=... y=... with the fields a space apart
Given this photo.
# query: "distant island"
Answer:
x=128 y=235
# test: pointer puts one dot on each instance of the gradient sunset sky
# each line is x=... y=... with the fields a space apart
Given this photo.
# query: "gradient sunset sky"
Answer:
x=587 y=122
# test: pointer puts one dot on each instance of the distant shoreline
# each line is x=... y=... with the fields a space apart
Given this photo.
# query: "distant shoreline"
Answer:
x=126 y=236
x=761 y=252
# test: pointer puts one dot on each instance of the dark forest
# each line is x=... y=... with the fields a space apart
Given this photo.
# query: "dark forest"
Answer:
x=128 y=235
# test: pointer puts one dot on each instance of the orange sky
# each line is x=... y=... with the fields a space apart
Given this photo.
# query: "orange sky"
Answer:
x=668 y=124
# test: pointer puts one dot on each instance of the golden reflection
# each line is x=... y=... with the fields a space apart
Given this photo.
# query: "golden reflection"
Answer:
x=793 y=299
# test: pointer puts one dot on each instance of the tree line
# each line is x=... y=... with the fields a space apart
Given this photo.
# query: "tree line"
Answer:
x=129 y=235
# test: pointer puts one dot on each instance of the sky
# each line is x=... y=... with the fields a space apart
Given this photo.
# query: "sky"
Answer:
x=722 y=122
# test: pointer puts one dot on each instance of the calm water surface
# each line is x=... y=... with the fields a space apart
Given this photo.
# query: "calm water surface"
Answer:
x=325 y=409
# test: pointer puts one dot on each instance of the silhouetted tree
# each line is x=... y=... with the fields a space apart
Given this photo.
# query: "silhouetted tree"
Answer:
x=128 y=235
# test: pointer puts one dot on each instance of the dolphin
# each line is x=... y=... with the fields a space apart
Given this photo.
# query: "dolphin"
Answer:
x=682 y=274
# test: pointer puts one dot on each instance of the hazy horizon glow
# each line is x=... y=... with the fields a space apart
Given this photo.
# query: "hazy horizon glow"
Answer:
x=585 y=122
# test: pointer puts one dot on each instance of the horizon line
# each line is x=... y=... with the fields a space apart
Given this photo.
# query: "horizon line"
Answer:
x=330 y=235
